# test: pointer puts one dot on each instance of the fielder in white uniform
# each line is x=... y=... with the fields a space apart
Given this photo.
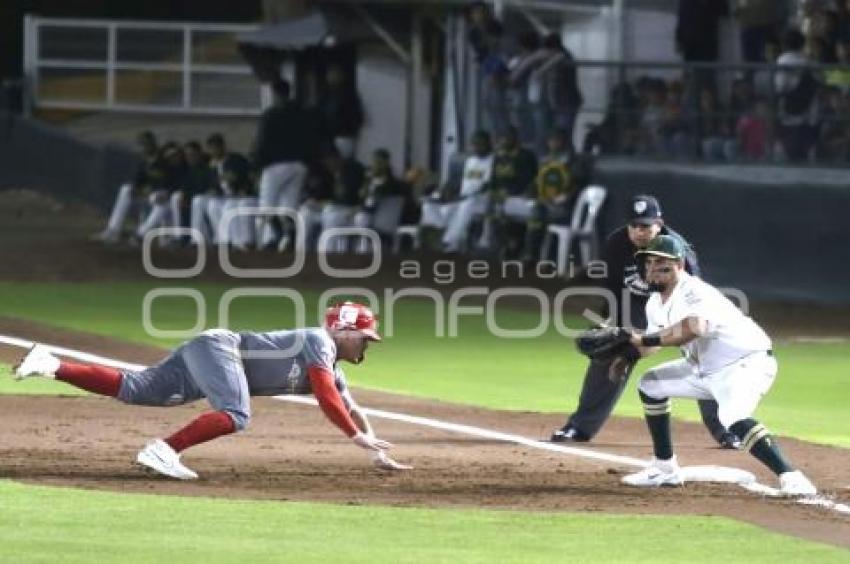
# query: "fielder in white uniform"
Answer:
x=727 y=357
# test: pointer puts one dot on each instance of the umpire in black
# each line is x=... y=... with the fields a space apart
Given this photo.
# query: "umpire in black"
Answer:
x=603 y=384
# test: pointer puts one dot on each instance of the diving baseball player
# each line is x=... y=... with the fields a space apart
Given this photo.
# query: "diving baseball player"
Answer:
x=227 y=368
x=727 y=357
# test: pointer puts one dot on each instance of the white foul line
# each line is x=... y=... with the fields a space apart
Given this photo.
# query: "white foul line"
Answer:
x=485 y=434
x=751 y=486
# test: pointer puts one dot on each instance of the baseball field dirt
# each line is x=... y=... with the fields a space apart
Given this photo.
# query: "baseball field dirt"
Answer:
x=290 y=452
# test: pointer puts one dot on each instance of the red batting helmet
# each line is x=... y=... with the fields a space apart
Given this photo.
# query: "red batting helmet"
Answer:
x=350 y=315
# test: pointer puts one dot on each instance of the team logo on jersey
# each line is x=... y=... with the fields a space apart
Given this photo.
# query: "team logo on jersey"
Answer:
x=294 y=373
x=293 y=377
x=640 y=206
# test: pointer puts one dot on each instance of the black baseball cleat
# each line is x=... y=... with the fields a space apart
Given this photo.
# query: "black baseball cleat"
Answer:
x=729 y=441
x=568 y=434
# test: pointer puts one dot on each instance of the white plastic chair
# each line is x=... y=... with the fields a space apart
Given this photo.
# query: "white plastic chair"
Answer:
x=385 y=220
x=402 y=231
x=582 y=229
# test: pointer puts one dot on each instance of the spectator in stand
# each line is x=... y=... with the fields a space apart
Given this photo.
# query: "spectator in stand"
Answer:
x=677 y=131
x=559 y=99
x=556 y=190
x=487 y=37
x=818 y=24
x=834 y=139
x=619 y=131
x=715 y=135
x=342 y=109
x=741 y=100
x=511 y=193
x=654 y=95
x=133 y=195
x=380 y=184
x=698 y=41
x=819 y=51
x=754 y=132
x=759 y=21
x=289 y=137
x=518 y=74
x=842 y=24
x=486 y=33
x=764 y=81
x=840 y=77
x=797 y=88
x=553 y=90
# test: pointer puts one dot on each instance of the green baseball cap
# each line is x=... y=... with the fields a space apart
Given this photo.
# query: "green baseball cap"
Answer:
x=665 y=246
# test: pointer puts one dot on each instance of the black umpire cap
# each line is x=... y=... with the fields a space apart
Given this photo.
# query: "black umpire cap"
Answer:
x=645 y=210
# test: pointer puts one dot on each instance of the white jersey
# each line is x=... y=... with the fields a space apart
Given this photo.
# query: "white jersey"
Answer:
x=476 y=172
x=730 y=336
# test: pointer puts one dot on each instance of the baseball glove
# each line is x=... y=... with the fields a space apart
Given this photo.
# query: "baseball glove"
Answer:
x=603 y=343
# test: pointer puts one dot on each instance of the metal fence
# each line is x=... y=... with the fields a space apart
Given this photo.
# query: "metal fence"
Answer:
x=162 y=67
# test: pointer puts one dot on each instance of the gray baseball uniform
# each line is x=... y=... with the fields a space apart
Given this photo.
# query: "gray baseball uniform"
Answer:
x=228 y=368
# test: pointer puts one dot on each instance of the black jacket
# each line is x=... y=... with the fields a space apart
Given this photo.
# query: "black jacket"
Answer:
x=623 y=274
x=698 y=28
x=343 y=112
x=289 y=133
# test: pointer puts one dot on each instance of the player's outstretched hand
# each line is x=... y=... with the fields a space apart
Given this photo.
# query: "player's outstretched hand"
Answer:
x=369 y=442
x=384 y=462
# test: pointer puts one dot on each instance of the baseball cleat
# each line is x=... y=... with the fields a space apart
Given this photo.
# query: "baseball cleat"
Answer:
x=729 y=441
x=37 y=362
x=568 y=434
x=795 y=483
x=160 y=457
x=658 y=473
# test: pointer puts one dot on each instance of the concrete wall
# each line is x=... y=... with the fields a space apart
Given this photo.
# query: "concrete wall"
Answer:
x=382 y=82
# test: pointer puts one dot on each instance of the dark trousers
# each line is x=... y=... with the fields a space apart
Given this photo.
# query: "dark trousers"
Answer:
x=753 y=40
x=798 y=140
x=599 y=395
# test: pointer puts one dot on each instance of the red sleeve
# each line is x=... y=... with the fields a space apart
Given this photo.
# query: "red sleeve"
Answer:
x=322 y=382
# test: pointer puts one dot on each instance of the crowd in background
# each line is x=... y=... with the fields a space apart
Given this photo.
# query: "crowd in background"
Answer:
x=791 y=110
x=520 y=172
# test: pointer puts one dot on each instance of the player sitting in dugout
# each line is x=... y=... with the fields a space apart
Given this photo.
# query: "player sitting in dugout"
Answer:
x=556 y=192
x=512 y=188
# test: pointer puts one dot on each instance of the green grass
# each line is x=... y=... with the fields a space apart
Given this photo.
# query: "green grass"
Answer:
x=45 y=524
x=540 y=374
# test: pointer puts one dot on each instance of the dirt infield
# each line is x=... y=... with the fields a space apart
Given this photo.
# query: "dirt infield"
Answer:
x=291 y=453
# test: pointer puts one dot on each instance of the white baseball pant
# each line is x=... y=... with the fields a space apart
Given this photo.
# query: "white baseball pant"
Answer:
x=737 y=387
x=336 y=215
x=280 y=186
x=457 y=228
